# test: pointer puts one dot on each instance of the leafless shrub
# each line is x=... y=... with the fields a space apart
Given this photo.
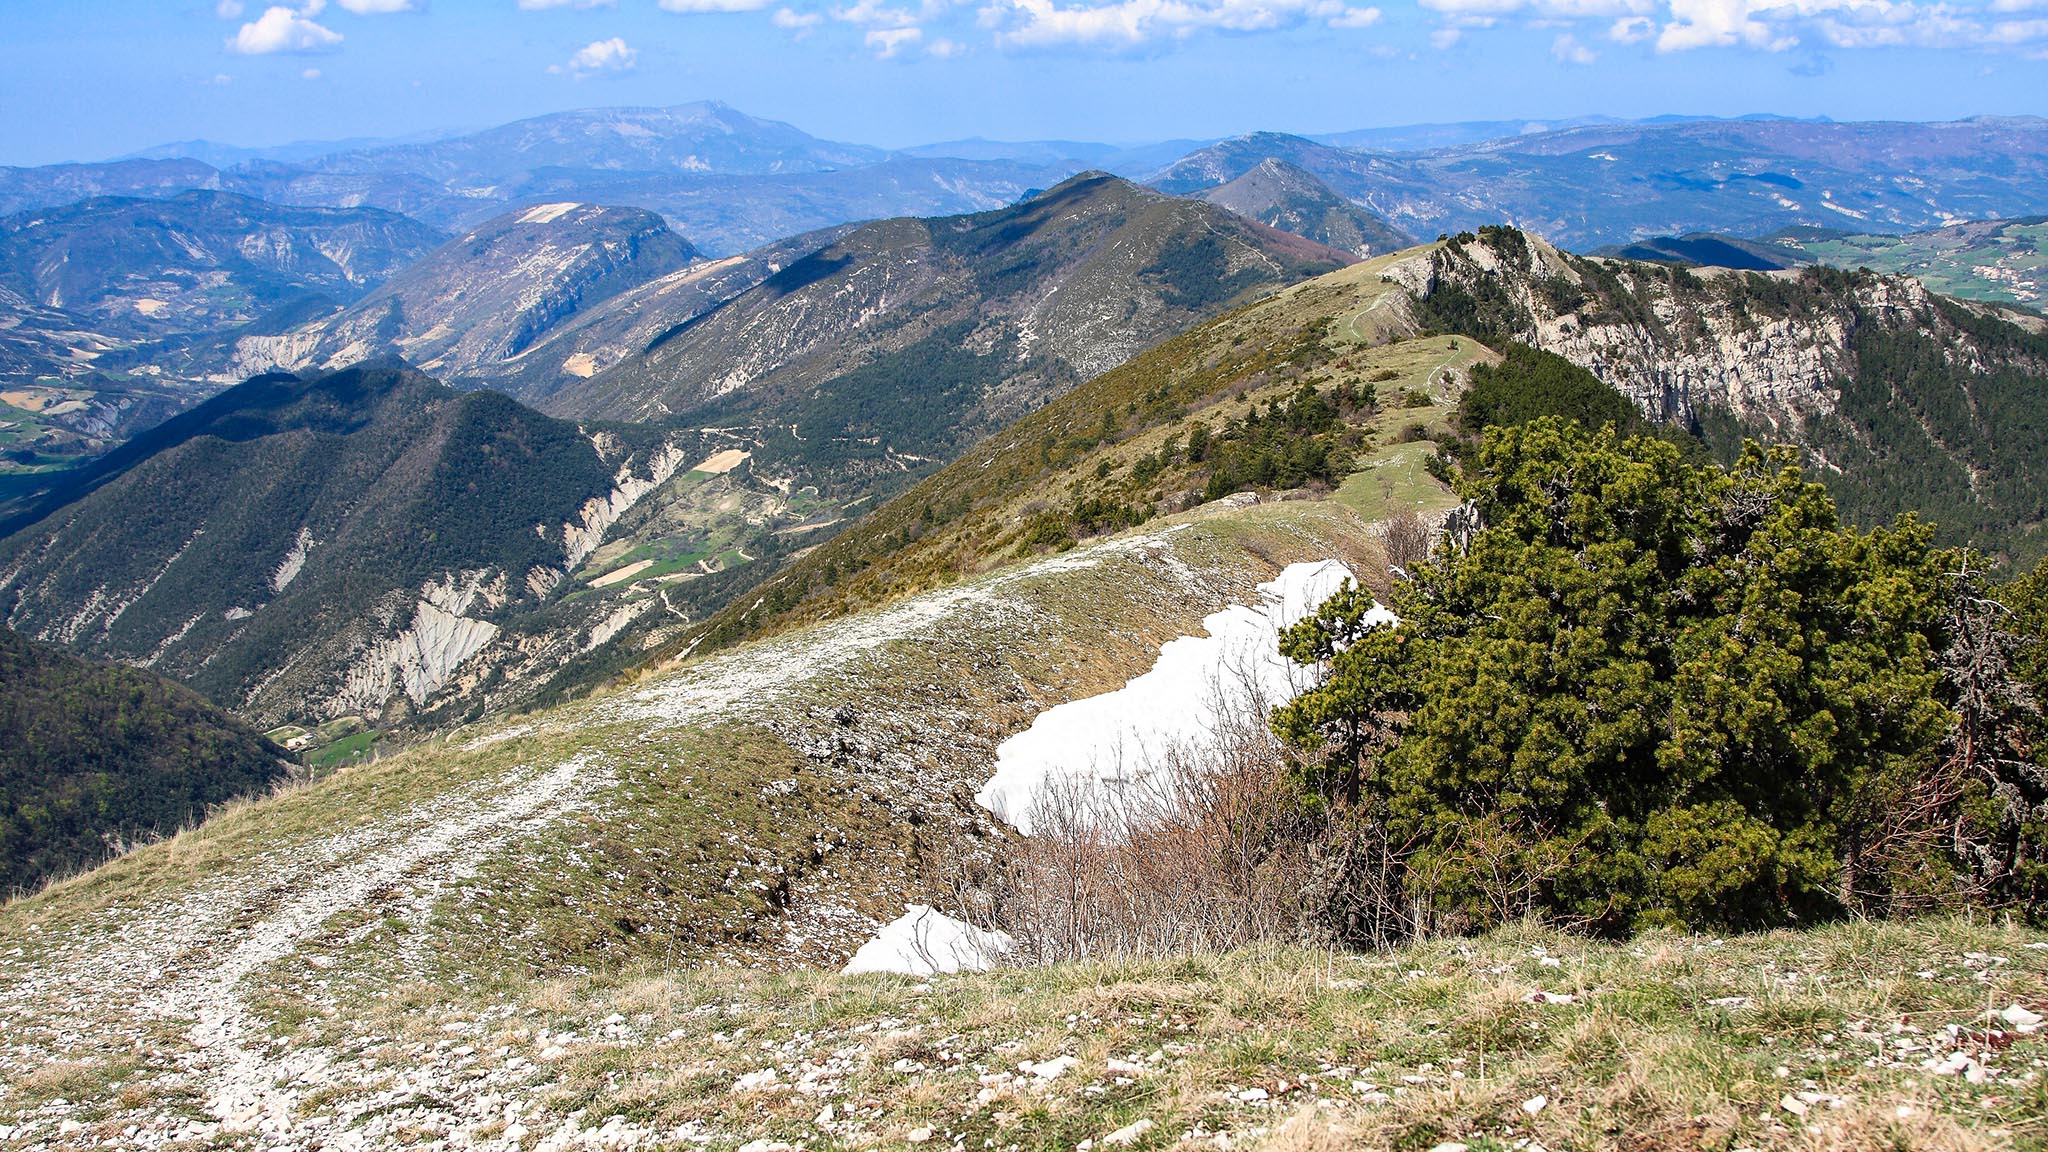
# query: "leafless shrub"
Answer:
x=1199 y=848
x=1406 y=539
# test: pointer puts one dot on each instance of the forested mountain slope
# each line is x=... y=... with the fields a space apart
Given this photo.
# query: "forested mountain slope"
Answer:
x=363 y=542
x=988 y=314
x=94 y=757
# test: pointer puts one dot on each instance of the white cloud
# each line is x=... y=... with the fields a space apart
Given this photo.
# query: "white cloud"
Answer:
x=713 y=5
x=377 y=7
x=282 y=29
x=228 y=9
x=1718 y=23
x=1539 y=9
x=791 y=20
x=874 y=12
x=945 y=49
x=543 y=5
x=1632 y=29
x=1124 y=23
x=1445 y=38
x=310 y=74
x=611 y=55
x=221 y=80
x=1566 y=49
x=888 y=42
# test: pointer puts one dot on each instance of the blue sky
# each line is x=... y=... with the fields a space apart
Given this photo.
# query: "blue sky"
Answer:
x=89 y=79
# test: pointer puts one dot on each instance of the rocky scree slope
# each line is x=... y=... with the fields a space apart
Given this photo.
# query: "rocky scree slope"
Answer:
x=1906 y=400
x=366 y=542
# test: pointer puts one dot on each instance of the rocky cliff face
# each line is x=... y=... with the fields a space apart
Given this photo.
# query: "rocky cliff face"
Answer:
x=1773 y=349
x=1904 y=400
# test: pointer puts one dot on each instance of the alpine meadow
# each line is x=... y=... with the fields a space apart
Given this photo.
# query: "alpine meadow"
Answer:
x=1035 y=576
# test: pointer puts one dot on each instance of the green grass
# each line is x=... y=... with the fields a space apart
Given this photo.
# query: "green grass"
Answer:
x=1951 y=266
x=1392 y=480
x=347 y=750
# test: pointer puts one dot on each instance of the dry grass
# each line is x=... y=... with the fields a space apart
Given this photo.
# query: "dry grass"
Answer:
x=1307 y=1051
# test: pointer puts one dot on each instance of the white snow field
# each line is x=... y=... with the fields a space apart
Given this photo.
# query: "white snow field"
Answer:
x=1120 y=737
x=924 y=942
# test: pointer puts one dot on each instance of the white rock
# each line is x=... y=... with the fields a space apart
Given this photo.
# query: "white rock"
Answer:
x=1535 y=1104
x=1049 y=1070
x=1129 y=1134
x=1124 y=1068
x=755 y=1081
x=1252 y=1095
x=2021 y=1019
x=919 y=1135
x=1792 y=1104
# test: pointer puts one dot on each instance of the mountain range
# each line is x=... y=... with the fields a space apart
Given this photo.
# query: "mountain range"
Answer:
x=362 y=540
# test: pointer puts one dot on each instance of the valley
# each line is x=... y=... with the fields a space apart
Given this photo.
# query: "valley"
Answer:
x=642 y=627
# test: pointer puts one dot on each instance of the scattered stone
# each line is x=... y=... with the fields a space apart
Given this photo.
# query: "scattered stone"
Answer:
x=2021 y=1019
x=1792 y=1104
x=1129 y=1134
x=755 y=1081
x=1535 y=1104
x=919 y=1135
x=1048 y=1070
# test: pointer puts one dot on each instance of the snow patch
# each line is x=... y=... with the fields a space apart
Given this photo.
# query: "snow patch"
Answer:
x=1119 y=738
x=926 y=942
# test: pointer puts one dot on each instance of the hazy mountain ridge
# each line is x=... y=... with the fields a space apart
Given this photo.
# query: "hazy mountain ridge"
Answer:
x=1614 y=183
x=1279 y=195
x=199 y=260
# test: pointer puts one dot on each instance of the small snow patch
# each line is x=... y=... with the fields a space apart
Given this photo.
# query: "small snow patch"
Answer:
x=925 y=942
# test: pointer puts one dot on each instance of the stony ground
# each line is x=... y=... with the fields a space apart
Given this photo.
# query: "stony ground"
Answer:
x=768 y=808
x=1856 y=1036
